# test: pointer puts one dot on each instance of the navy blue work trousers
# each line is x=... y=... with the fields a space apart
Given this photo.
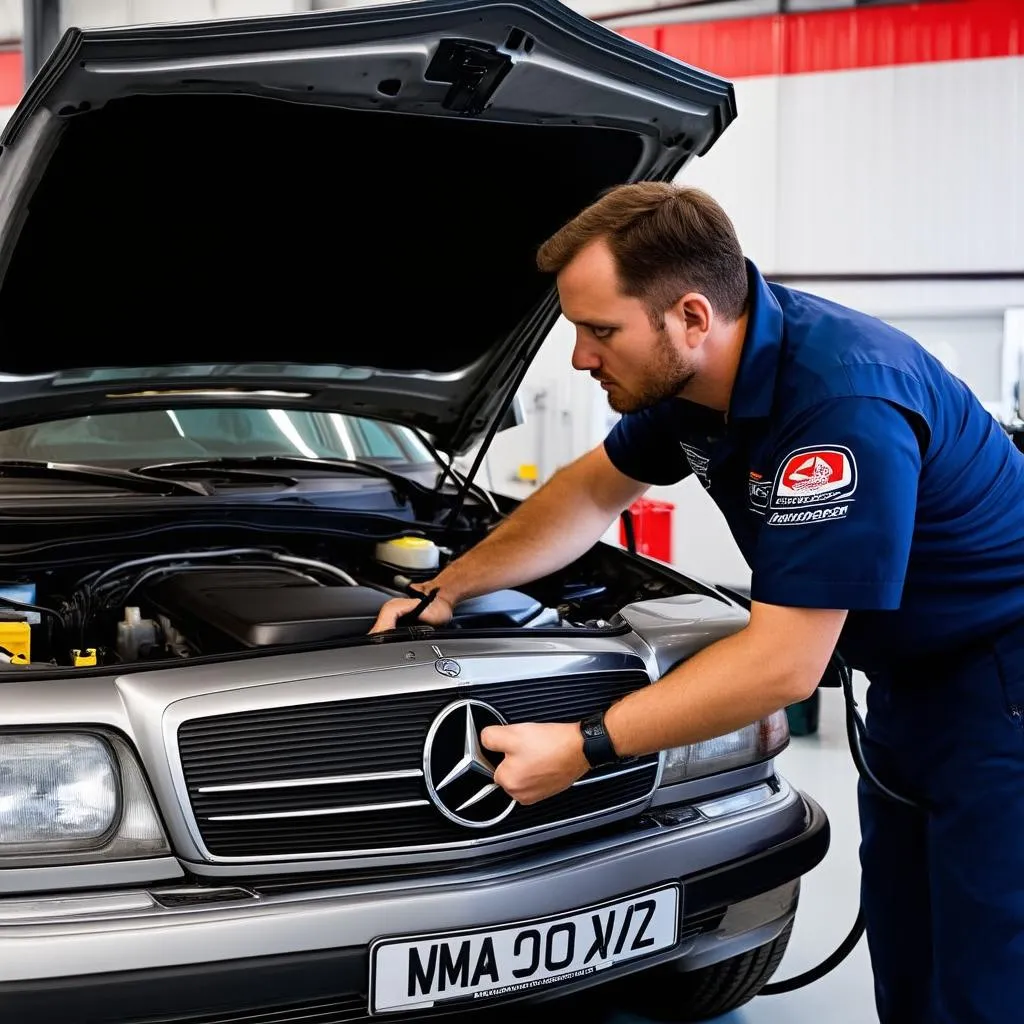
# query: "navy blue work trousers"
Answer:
x=943 y=887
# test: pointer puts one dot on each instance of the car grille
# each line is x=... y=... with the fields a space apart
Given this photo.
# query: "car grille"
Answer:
x=383 y=738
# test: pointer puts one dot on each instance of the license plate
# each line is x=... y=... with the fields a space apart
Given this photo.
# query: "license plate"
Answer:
x=507 y=960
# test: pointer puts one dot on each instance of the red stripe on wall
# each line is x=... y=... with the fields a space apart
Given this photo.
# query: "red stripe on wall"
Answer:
x=864 y=37
x=12 y=83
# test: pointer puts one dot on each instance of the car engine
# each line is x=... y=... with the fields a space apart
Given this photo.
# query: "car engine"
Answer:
x=224 y=609
x=227 y=600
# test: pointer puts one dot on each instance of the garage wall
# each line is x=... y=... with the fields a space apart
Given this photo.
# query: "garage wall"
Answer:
x=882 y=139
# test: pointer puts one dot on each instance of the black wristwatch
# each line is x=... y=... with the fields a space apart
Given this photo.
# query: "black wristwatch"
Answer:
x=597 y=744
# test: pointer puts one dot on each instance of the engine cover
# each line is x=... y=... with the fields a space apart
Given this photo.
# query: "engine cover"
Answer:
x=222 y=609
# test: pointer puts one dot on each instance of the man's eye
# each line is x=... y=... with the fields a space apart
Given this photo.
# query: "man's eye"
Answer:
x=602 y=332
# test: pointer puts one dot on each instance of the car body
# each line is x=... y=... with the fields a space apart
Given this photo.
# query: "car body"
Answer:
x=220 y=799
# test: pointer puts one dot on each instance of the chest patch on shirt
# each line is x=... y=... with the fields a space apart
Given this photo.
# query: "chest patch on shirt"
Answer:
x=699 y=462
x=814 y=476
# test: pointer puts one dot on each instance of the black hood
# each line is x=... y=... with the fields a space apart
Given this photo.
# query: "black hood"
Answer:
x=337 y=210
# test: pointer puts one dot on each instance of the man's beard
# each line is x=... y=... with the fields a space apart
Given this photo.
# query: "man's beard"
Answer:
x=664 y=377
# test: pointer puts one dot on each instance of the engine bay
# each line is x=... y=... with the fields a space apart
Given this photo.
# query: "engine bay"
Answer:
x=203 y=601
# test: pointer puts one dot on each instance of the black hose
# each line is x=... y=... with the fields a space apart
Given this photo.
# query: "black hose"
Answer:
x=855 y=730
x=846 y=947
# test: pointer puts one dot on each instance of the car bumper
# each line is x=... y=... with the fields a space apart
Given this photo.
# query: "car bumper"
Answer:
x=139 y=956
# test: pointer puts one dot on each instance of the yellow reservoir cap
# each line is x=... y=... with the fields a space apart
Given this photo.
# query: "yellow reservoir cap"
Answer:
x=16 y=638
x=84 y=659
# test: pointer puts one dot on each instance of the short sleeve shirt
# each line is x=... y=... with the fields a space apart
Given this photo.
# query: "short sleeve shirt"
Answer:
x=855 y=472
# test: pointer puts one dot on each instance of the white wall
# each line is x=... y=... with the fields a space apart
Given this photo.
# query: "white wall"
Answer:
x=917 y=168
x=11 y=19
x=105 y=13
x=745 y=169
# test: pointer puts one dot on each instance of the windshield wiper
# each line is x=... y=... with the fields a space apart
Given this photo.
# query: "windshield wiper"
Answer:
x=203 y=469
x=128 y=479
x=261 y=464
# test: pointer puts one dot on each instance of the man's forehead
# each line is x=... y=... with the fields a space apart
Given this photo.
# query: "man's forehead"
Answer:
x=588 y=286
x=594 y=264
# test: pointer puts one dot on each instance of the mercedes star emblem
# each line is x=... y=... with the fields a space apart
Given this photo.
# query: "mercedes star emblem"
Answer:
x=458 y=772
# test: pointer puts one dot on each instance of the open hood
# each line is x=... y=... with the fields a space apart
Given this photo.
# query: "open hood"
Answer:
x=334 y=210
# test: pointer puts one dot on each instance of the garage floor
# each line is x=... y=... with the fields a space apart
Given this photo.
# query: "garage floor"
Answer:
x=821 y=765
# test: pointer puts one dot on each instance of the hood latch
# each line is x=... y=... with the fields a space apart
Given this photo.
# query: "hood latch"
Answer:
x=475 y=70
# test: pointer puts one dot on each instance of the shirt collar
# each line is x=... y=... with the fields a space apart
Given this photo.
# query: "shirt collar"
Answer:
x=754 y=388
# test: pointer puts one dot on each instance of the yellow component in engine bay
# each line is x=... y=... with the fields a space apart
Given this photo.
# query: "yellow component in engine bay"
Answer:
x=15 y=642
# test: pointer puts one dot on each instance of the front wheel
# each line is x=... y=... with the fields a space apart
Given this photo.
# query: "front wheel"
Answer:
x=680 y=997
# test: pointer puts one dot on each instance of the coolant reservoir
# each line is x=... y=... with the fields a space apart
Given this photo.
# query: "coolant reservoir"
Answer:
x=133 y=633
x=416 y=554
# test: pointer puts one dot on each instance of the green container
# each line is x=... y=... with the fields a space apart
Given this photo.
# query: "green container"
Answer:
x=803 y=717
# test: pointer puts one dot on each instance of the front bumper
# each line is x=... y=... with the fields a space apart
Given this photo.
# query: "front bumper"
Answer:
x=111 y=962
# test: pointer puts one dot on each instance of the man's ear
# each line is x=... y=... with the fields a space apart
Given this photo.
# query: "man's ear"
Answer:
x=694 y=310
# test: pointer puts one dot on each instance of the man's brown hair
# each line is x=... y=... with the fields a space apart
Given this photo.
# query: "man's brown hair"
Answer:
x=667 y=240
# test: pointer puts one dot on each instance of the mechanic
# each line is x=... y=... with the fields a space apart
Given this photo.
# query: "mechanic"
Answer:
x=880 y=508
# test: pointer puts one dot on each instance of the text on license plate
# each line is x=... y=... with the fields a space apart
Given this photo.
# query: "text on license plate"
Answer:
x=512 y=959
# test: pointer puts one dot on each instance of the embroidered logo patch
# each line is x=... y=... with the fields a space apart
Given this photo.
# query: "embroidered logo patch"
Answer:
x=699 y=462
x=814 y=476
x=808 y=515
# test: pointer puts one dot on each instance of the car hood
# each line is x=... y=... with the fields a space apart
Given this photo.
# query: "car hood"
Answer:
x=335 y=210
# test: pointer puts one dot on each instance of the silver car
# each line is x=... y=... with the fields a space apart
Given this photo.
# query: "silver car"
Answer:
x=262 y=281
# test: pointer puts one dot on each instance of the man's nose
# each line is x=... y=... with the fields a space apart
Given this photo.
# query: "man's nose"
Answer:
x=583 y=356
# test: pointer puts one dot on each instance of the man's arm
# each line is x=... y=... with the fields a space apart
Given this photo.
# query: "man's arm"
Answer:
x=552 y=528
x=837 y=534
x=778 y=659
x=729 y=684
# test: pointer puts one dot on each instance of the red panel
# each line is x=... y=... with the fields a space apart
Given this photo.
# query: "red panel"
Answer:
x=12 y=83
x=865 y=37
x=646 y=34
x=652 y=528
x=730 y=48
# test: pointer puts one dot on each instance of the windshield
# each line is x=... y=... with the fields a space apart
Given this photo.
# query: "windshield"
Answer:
x=132 y=438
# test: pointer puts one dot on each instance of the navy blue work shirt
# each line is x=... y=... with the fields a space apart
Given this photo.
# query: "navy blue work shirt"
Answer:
x=855 y=472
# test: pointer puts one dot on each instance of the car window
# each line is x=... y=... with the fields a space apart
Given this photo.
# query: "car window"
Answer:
x=169 y=434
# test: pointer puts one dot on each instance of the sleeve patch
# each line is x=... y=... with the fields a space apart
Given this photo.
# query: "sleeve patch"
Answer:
x=812 y=476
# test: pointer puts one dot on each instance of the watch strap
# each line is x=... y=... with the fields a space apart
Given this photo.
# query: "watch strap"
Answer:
x=597 y=745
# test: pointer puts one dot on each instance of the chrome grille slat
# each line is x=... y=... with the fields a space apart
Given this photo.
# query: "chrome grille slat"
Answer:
x=346 y=777
x=324 y=780
x=394 y=805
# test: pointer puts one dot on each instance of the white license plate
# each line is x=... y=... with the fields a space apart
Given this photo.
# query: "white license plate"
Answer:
x=508 y=960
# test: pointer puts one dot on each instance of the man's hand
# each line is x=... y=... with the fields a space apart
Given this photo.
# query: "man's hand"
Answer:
x=437 y=613
x=541 y=759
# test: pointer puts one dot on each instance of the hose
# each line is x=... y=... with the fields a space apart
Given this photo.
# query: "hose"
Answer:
x=855 y=731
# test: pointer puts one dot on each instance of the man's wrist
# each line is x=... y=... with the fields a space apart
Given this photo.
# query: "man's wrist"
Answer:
x=444 y=591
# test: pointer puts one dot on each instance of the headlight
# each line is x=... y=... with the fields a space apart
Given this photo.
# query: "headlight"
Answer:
x=749 y=745
x=73 y=797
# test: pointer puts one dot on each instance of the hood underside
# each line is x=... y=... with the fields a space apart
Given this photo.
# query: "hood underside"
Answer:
x=359 y=192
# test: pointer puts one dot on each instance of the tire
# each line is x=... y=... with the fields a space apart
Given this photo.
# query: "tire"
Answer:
x=679 y=997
